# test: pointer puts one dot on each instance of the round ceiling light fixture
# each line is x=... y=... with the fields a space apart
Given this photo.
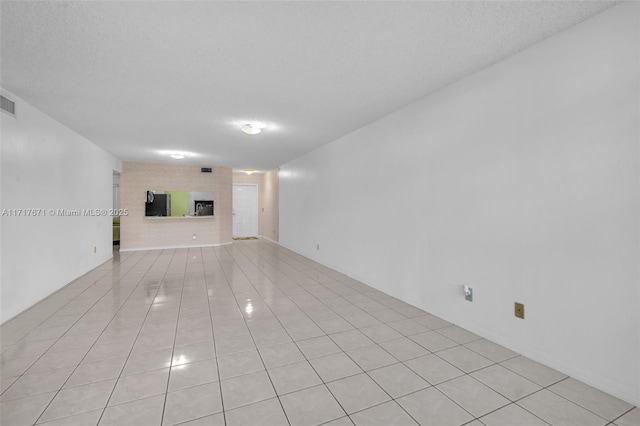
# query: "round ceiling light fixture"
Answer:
x=252 y=128
x=176 y=155
x=249 y=171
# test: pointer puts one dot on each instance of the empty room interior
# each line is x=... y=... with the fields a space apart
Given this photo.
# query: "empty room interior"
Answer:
x=320 y=213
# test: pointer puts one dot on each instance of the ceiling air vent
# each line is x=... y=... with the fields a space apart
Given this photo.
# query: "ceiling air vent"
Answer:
x=7 y=105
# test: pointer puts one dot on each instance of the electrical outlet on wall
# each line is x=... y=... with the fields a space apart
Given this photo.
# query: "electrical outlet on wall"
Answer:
x=468 y=293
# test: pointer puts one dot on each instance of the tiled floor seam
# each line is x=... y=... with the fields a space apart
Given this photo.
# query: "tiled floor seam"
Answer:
x=314 y=369
x=303 y=285
x=60 y=308
x=213 y=334
x=543 y=389
x=576 y=403
x=307 y=360
x=254 y=342
x=173 y=349
x=9 y=322
x=137 y=335
x=435 y=386
x=465 y=373
x=314 y=322
x=622 y=415
x=326 y=306
x=363 y=371
x=325 y=383
x=77 y=365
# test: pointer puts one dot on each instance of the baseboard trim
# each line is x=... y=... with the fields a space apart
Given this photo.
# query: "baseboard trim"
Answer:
x=174 y=247
x=270 y=240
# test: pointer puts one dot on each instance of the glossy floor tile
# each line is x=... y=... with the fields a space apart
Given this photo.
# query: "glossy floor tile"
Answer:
x=254 y=334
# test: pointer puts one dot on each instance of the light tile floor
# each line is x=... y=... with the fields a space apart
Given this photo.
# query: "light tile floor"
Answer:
x=253 y=334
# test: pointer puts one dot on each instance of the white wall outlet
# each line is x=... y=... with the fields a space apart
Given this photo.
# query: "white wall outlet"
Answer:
x=195 y=236
x=468 y=293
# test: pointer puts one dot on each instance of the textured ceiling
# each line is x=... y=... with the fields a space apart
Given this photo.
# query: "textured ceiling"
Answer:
x=137 y=77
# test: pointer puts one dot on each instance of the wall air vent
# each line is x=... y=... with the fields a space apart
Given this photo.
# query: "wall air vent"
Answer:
x=7 y=105
x=206 y=170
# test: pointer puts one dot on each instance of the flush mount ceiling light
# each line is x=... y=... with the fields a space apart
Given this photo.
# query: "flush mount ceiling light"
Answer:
x=252 y=128
x=177 y=155
x=253 y=125
x=249 y=171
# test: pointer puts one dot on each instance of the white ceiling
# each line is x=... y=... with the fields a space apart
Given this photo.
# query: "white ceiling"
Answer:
x=137 y=77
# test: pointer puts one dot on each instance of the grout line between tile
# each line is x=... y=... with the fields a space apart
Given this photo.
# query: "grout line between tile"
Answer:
x=139 y=330
x=78 y=364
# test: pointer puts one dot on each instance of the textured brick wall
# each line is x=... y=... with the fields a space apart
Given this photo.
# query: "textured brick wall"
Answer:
x=139 y=232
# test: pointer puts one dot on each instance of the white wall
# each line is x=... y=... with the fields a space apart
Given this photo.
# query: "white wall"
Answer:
x=521 y=181
x=46 y=165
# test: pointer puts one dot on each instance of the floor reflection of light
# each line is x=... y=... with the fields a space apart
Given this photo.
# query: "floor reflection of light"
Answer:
x=249 y=308
x=158 y=306
x=179 y=360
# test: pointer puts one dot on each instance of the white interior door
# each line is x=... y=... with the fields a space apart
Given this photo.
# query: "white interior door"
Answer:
x=245 y=210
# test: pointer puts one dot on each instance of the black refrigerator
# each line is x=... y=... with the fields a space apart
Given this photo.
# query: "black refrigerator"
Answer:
x=158 y=204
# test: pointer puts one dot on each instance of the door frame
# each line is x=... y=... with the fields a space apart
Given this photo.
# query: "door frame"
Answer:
x=257 y=208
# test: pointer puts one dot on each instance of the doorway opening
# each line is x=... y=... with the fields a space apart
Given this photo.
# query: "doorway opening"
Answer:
x=245 y=210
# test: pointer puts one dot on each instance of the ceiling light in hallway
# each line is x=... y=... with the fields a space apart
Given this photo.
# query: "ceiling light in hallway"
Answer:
x=252 y=128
